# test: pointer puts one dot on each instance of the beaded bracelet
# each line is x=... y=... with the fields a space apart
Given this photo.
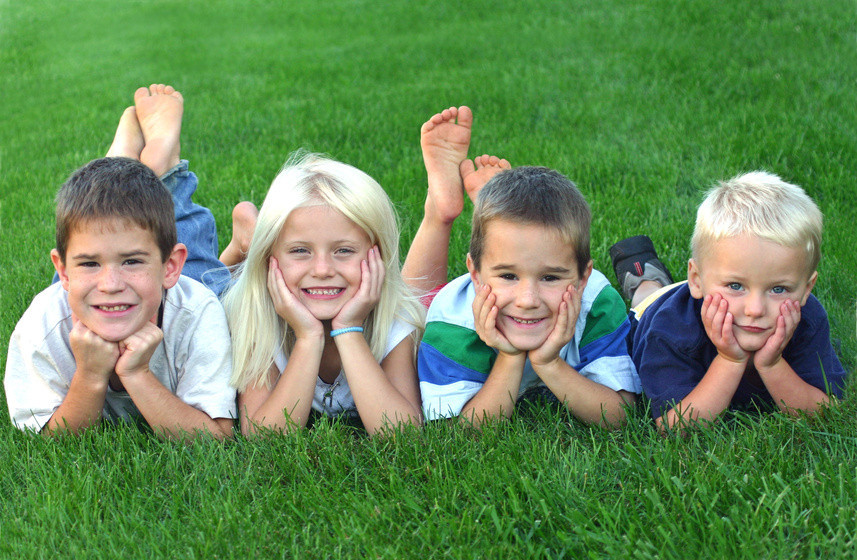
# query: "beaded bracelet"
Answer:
x=338 y=332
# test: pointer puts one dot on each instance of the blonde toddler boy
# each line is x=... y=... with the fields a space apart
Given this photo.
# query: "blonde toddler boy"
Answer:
x=744 y=329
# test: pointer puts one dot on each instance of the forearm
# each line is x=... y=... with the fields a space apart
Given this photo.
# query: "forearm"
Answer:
x=380 y=404
x=426 y=264
x=710 y=397
x=498 y=395
x=167 y=414
x=587 y=400
x=82 y=406
x=287 y=405
x=791 y=393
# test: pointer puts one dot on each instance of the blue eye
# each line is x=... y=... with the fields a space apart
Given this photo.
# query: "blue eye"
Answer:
x=734 y=286
x=298 y=250
x=345 y=251
x=779 y=289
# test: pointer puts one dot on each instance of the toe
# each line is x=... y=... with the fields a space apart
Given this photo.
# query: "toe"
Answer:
x=141 y=93
x=465 y=116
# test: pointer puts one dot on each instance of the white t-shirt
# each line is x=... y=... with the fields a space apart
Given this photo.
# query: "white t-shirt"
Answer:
x=333 y=399
x=194 y=361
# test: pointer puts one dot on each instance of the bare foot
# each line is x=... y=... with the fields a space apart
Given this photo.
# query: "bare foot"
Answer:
x=128 y=141
x=243 y=223
x=159 y=110
x=445 y=139
x=475 y=177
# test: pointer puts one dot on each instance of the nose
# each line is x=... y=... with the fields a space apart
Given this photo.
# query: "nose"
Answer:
x=322 y=266
x=527 y=295
x=754 y=305
x=110 y=279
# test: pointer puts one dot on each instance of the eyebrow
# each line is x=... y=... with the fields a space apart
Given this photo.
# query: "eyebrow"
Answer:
x=89 y=257
x=551 y=269
x=333 y=242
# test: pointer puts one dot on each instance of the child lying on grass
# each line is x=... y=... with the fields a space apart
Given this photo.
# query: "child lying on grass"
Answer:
x=123 y=335
x=532 y=313
x=744 y=329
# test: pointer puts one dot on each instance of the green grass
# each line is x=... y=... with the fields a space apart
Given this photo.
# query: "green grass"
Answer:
x=643 y=104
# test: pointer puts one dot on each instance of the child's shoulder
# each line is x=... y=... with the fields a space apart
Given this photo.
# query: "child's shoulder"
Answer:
x=813 y=319
x=598 y=287
x=675 y=305
x=48 y=312
x=190 y=294
x=602 y=311
x=190 y=305
x=453 y=303
x=675 y=316
x=600 y=298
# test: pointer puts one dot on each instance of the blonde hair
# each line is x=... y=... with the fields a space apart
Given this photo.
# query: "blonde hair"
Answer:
x=763 y=205
x=258 y=333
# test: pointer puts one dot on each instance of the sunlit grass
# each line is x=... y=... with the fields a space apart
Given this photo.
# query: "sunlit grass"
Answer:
x=644 y=105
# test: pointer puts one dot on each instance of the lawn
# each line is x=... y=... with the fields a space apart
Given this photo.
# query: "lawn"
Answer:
x=643 y=104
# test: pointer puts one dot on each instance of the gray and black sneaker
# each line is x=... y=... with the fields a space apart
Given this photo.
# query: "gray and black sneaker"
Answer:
x=635 y=260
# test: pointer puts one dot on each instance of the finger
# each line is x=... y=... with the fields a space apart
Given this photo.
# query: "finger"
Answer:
x=575 y=304
x=479 y=301
x=491 y=319
x=562 y=318
x=379 y=272
x=706 y=304
x=365 y=281
x=371 y=273
x=726 y=329
x=793 y=311
x=790 y=313
x=722 y=315
x=485 y=310
x=272 y=280
x=709 y=310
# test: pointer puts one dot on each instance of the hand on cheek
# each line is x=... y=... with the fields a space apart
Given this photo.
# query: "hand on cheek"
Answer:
x=718 y=326
x=93 y=355
x=354 y=313
x=563 y=330
x=287 y=305
x=136 y=350
x=485 y=313
x=772 y=351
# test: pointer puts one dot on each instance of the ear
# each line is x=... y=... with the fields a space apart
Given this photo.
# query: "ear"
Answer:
x=694 y=281
x=474 y=273
x=810 y=284
x=60 y=267
x=173 y=266
x=584 y=278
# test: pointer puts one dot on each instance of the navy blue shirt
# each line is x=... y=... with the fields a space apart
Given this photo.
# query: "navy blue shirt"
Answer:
x=672 y=353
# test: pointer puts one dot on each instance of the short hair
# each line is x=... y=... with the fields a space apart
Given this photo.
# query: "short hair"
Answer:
x=116 y=188
x=308 y=180
x=533 y=195
x=760 y=204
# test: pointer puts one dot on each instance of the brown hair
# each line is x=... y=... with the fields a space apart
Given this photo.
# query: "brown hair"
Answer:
x=533 y=195
x=116 y=188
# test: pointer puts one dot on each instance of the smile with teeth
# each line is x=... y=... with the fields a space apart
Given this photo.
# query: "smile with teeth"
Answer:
x=322 y=291
x=113 y=307
x=525 y=321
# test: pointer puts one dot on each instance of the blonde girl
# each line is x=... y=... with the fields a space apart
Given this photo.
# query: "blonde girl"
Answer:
x=319 y=314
